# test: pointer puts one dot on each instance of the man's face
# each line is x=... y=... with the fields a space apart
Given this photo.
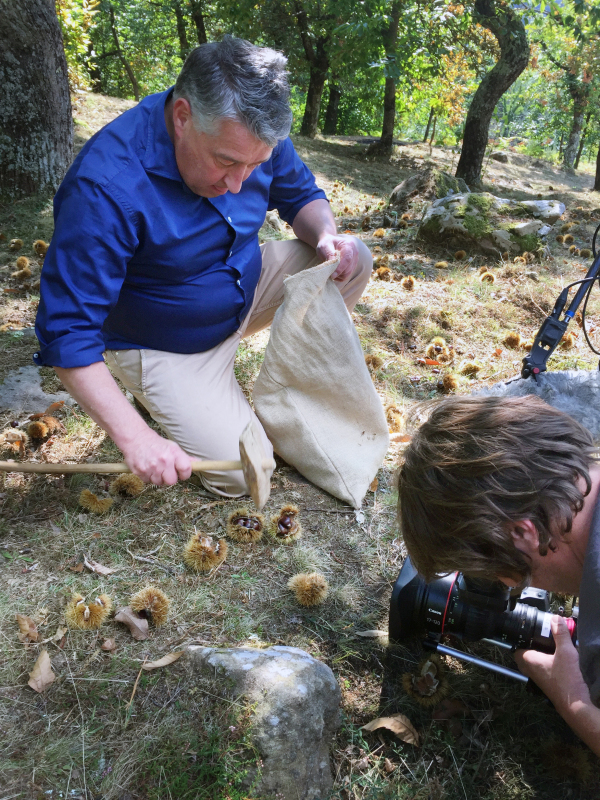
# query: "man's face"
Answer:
x=212 y=165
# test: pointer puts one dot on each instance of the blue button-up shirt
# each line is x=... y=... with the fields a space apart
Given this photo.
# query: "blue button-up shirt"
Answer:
x=137 y=260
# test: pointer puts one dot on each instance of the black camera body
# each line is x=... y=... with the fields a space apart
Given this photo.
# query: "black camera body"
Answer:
x=470 y=610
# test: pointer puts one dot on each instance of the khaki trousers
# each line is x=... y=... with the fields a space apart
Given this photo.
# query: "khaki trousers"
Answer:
x=195 y=398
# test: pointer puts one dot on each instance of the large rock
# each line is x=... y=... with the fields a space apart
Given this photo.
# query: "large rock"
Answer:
x=429 y=183
x=295 y=711
x=22 y=392
x=493 y=223
x=577 y=392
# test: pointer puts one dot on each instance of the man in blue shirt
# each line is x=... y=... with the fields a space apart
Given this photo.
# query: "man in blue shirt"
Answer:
x=155 y=263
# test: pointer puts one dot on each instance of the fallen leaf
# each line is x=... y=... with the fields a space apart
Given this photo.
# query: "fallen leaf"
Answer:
x=164 y=661
x=28 y=629
x=77 y=567
x=432 y=362
x=388 y=766
x=398 y=724
x=60 y=632
x=108 y=645
x=138 y=626
x=99 y=569
x=371 y=634
x=498 y=351
x=54 y=407
x=373 y=485
x=400 y=437
x=41 y=676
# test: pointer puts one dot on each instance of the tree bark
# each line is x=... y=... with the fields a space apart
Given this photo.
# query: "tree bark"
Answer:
x=597 y=180
x=318 y=63
x=580 y=94
x=184 y=45
x=121 y=54
x=508 y=29
x=36 y=127
x=429 y=121
x=333 y=106
x=198 y=19
x=389 y=35
x=582 y=140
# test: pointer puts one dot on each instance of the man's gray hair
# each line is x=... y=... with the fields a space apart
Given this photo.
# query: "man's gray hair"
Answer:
x=234 y=79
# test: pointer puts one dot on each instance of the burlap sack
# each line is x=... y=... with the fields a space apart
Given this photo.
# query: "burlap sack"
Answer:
x=314 y=395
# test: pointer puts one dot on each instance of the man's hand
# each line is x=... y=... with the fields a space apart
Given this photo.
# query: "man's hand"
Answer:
x=346 y=246
x=557 y=674
x=157 y=460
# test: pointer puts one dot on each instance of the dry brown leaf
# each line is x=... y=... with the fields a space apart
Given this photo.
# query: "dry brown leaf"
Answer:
x=99 y=569
x=399 y=437
x=373 y=485
x=54 y=407
x=28 y=629
x=164 y=661
x=138 y=626
x=388 y=766
x=60 y=632
x=108 y=645
x=41 y=676
x=371 y=634
x=397 y=724
x=77 y=567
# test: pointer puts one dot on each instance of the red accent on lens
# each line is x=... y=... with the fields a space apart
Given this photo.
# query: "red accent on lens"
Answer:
x=571 y=625
x=536 y=370
x=448 y=601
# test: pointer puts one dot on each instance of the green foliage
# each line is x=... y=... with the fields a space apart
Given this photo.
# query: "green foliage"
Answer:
x=76 y=17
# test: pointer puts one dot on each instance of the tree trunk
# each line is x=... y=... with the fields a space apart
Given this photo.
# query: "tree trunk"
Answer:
x=433 y=132
x=580 y=95
x=184 y=45
x=121 y=54
x=198 y=19
x=36 y=127
x=93 y=69
x=431 y=115
x=310 y=120
x=389 y=35
x=508 y=29
x=333 y=105
x=560 y=146
x=582 y=140
x=315 y=51
x=597 y=180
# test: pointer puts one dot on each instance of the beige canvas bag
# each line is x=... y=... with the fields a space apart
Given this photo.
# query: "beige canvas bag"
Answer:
x=314 y=395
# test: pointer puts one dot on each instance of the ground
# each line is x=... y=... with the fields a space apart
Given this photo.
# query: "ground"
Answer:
x=106 y=729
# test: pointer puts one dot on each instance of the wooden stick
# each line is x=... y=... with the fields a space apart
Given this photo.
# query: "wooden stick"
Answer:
x=105 y=469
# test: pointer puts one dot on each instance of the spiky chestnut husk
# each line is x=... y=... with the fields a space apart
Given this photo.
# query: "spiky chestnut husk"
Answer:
x=310 y=588
x=459 y=255
x=573 y=249
x=426 y=688
x=567 y=341
x=38 y=430
x=569 y=239
x=435 y=351
x=384 y=273
x=527 y=345
x=373 y=362
x=530 y=257
x=408 y=283
x=21 y=274
x=482 y=270
x=566 y=227
x=519 y=260
x=560 y=239
x=203 y=554
x=285 y=526
x=512 y=339
x=395 y=418
x=487 y=277
x=127 y=485
x=441 y=265
x=245 y=526
x=40 y=247
x=585 y=252
x=15 y=244
x=567 y=762
x=379 y=233
x=91 y=502
x=450 y=382
x=151 y=602
x=22 y=262
x=470 y=368
x=87 y=616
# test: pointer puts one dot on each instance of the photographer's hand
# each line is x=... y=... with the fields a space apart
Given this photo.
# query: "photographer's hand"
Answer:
x=559 y=677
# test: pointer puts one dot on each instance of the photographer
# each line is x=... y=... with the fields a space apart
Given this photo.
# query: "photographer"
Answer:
x=507 y=489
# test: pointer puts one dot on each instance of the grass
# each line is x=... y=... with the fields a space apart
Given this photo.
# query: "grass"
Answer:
x=177 y=736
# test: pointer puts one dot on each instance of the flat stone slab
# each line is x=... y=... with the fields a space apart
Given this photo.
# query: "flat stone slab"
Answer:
x=22 y=392
x=295 y=711
x=576 y=392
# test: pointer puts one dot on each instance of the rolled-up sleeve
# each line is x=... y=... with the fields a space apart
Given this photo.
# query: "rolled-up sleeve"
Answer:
x=95 y=237
x=293 y=183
